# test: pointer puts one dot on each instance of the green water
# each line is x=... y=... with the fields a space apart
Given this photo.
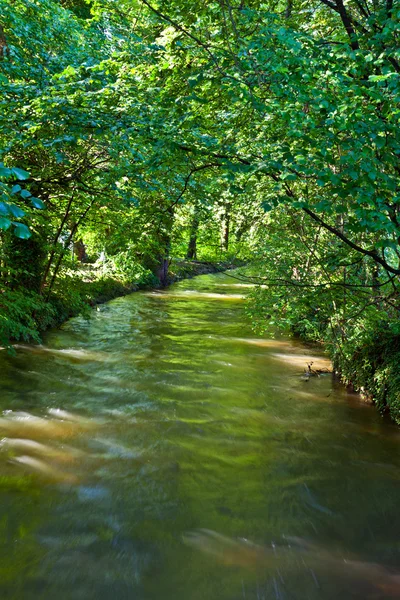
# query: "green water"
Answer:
x=197 y=423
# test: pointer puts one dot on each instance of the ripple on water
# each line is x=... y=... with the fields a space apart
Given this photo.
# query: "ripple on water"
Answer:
x=195 y=425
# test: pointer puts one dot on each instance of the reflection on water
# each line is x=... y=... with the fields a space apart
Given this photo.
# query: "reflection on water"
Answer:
x=66 y=455
x=70 y=353
x=40 y=467
x=304 y=360
x=43 y=460
x=196 y=294
x=296 y=554
x=163 y=414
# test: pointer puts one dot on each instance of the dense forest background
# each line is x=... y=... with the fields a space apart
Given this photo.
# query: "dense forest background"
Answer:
x=137 y=135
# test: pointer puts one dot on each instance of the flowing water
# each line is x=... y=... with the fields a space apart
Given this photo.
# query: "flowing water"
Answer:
x=188 y=434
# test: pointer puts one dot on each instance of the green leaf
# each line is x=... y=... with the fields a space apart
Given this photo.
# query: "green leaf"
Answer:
x=4 y=172
x=288 y=177
x=22 y=231
x=16 y=211
x=15 y=189
x=386 y=243
x=266 y=206
x=299 y=204
x=37 y=203
x=4 y=223
x=323 y=205
x=4 y=208
x=20 y=173
x=25 y=194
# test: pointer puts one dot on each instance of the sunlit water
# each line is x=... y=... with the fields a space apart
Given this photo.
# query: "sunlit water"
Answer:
x=189 y=421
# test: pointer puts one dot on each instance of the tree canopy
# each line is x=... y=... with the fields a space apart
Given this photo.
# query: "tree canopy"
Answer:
x=143 y=130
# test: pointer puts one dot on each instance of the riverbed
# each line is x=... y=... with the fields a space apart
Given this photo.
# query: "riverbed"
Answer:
x=183 y=421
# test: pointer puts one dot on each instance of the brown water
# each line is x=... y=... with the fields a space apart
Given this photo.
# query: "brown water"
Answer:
x=188 y=421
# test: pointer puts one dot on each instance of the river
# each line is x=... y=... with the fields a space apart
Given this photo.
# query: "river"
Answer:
x=189 y=422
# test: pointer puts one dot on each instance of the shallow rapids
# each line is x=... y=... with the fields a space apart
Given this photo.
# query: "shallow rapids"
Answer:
x=162 y=451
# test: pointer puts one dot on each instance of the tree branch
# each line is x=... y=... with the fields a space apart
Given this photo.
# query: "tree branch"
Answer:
x=371 y=253
x=347 y=21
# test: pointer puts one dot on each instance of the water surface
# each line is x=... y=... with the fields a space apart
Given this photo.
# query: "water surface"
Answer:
x=194 y=422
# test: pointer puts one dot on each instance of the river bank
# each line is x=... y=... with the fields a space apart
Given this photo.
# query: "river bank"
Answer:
x=26 y=315
x=373 y=370
x=369 y=364
x=363 y=342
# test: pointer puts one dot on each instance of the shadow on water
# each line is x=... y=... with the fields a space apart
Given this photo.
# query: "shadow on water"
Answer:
x=163 y=414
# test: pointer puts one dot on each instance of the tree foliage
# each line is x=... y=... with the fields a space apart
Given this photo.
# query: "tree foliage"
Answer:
x=144 y=129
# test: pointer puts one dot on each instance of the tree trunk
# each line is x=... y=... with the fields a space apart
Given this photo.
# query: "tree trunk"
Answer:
x=191 y=253
x=162 y=272
x=163 y=258
x=80 y=250
x=226 y=230
x=3 y=43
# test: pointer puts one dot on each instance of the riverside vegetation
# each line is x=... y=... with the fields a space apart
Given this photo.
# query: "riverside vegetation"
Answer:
x=137 y=131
